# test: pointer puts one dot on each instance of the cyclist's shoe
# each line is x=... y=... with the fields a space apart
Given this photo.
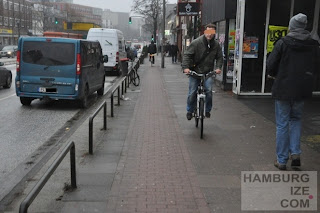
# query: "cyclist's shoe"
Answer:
x=189 y=116
x=280 y=166
x=208 y=114
x=295 y=161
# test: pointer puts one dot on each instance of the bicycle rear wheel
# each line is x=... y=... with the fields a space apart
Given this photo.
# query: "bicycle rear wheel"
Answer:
x=201 y=111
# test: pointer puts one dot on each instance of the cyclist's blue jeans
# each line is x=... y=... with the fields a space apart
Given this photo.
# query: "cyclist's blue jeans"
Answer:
x=192 y=96
x=288 y=122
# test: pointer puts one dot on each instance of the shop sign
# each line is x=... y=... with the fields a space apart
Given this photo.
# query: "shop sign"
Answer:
x=188 y=9
x=274 y=34
x=5 y=31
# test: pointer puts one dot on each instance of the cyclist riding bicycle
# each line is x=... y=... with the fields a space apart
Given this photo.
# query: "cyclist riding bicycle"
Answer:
x=152 y=49
x=200 y=57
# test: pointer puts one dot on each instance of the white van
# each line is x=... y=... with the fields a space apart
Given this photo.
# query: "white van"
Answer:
x=113 y=45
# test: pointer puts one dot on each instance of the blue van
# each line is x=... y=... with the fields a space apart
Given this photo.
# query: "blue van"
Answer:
x=59 y=68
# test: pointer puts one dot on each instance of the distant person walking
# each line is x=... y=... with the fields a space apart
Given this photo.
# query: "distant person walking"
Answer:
x=174 y=52
x=293 y=63
x=152 y=49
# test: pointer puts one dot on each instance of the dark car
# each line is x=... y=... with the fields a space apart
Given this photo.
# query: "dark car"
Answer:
x=5 y=76
x=9 y=51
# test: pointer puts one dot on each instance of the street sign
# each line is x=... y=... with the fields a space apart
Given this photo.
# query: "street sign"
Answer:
x=188 y=9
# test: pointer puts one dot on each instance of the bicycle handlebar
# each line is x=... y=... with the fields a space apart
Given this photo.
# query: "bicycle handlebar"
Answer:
x=207 y=75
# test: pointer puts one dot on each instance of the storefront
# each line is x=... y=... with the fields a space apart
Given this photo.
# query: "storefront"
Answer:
x=257 y=28
x=6 y=37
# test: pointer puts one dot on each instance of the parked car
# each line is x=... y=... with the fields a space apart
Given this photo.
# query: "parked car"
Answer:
x=9 y=51
x=59 y=68
x=5 y=76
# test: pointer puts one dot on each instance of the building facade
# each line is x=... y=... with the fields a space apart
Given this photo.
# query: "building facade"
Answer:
x=15 y=20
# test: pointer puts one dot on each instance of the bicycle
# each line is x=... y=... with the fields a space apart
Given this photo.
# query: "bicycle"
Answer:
x=134 y=78
x=201 y=97
x=152 y=58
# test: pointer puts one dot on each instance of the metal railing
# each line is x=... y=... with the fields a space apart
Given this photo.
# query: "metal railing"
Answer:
x=44 y=179
x=124 y=82
x=104 y=105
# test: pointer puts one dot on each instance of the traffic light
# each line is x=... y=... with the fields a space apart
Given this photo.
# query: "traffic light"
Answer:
x=56 y=21
x=152 y=39
x=130 y=22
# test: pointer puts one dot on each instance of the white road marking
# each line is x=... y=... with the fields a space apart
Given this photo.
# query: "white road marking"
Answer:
x=1 y=99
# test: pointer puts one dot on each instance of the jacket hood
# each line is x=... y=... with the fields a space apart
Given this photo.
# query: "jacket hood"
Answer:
x=299 y=34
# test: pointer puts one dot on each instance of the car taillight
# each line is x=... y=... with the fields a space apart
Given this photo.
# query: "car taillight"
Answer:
x=117 y=57
x=18 y=61
x=78 y=64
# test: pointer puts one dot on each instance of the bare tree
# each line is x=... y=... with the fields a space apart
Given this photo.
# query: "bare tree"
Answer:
x=151 y=10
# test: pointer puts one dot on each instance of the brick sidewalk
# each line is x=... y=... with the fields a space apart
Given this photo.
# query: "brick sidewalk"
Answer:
x=155 y=173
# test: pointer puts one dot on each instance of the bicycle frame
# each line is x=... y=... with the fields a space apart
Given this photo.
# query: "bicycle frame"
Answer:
x=201 y=98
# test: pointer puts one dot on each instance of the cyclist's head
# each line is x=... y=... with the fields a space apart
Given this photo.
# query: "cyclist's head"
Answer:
x=210 y=31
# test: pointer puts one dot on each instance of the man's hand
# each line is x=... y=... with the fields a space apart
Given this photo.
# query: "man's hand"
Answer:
x=217 y=71
x=186 y=71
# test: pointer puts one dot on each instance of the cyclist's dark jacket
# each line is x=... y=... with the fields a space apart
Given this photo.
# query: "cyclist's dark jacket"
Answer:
x=195 y=51
x=152 y=49
x=293 y=62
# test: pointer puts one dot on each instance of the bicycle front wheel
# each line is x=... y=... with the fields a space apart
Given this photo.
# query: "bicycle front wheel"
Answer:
x=201 y=111
x=196 y=118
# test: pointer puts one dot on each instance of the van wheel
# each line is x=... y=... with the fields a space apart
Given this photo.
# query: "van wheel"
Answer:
x=25 y=101
x=101 y=90
x=8 y=82
x=84 y=101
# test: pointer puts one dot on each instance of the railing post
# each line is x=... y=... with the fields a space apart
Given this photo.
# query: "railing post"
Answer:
x=73 y=166
x=122 y=92
x=105 y=116
x=119 y=95
x=112 y=105
x=90 y=135
x=37 y=188
x=125 y=83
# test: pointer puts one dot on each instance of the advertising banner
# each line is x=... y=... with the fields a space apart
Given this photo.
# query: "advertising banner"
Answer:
x=274 y=34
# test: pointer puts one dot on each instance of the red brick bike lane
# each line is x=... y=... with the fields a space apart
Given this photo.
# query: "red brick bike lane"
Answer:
x=155 y=172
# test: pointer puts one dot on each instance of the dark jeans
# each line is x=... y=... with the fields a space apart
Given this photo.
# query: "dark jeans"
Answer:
x=174 y=58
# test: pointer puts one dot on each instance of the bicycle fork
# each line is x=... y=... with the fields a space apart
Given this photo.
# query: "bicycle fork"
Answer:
x=200 y=96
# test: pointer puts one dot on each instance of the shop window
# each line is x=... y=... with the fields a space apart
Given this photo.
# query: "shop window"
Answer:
x=11 y=22
x=10 y=5
x=305 y=7
x=5 y=21
x=17 y=23
x=253 y=46
x=16 y=7
x=5 y=4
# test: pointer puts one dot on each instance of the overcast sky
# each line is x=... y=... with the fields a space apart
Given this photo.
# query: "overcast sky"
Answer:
x=113 y=5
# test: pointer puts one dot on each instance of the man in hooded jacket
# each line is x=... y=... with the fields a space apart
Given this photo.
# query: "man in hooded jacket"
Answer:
x=293 y=63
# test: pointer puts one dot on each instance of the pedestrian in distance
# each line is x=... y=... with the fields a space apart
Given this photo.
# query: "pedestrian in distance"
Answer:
x=293 y=63
x=200 y=57
x=174 y=52
x=152 y=49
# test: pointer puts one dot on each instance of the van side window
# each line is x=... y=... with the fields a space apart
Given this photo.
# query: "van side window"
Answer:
x=120 y=45
x=48 y=53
